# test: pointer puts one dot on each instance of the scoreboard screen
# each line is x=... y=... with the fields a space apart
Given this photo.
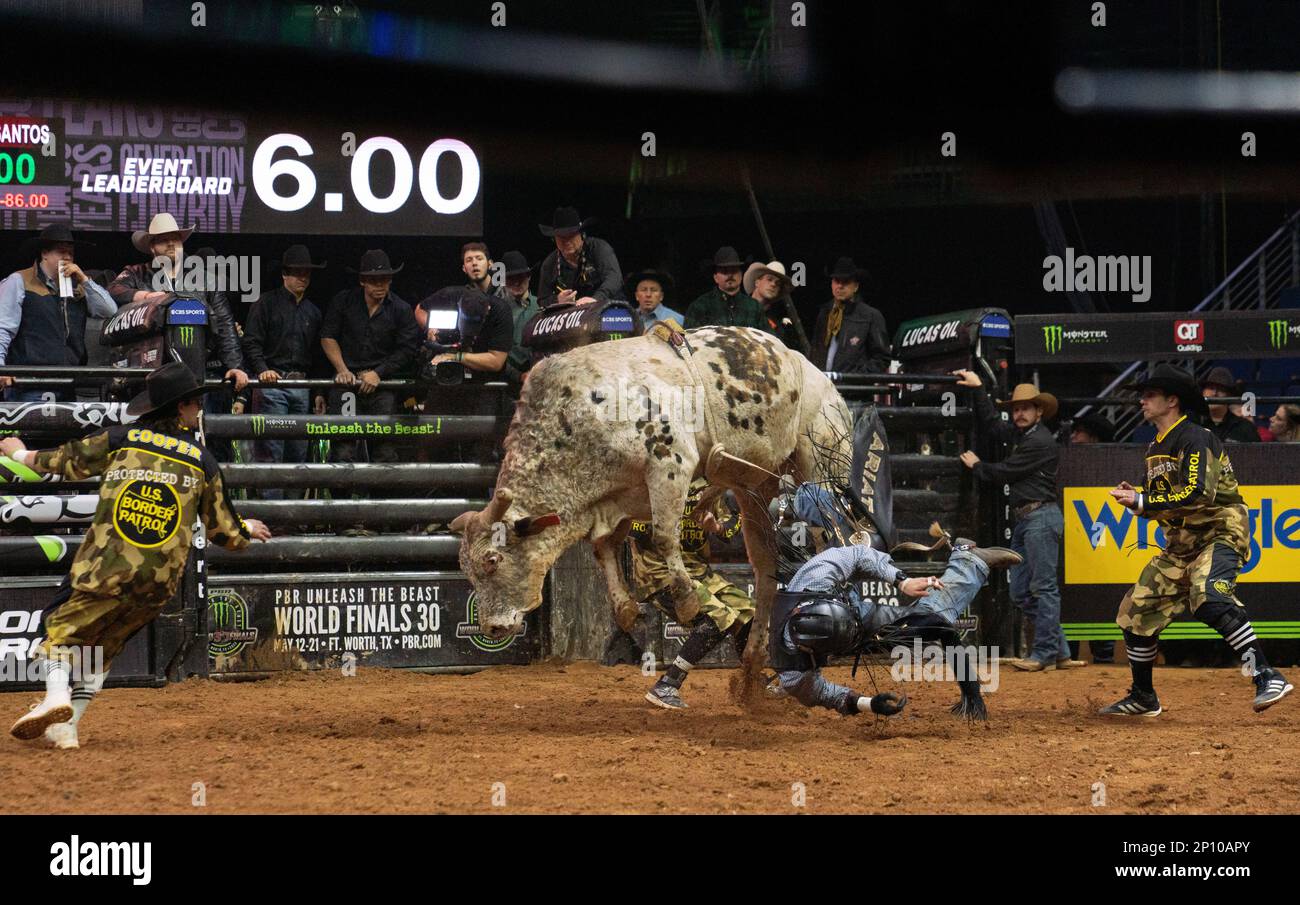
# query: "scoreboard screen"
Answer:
x=105 y=166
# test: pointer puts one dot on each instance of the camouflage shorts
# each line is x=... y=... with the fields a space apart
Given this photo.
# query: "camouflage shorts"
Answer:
x=720 y=600
x=1171 y=583
x=85 y=620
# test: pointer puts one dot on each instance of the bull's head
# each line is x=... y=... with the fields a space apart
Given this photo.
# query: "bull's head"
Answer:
x=505 y=570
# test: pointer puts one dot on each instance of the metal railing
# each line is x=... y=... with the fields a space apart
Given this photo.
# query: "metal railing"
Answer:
x=1257 y=282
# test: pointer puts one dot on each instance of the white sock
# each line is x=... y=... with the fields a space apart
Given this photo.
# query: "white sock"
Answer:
x=83 y=693
x=864 y=705
x=56 y=679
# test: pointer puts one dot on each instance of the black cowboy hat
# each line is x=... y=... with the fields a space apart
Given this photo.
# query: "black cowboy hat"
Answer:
x=664 y=279
x=54 y=234
x=173 y=382
x=1222 y=378
x=297 y=257
x=516 y=264
x=1098 y=425
x=726 y=256
x=374 y=263
x=565 y=222
x=1173 y=381
x=846 y=270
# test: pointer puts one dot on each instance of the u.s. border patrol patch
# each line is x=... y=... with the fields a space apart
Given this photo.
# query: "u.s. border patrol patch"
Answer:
x=146 y=514
x=1223 y=587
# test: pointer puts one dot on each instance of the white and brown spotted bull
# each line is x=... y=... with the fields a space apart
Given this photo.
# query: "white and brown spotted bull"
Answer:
x=580 y=465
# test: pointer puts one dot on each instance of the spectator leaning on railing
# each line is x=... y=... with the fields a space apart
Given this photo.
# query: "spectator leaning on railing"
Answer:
x=164 y=241
x=282 y=342
x=369 y=334
x=38 y=326
x=581 y=266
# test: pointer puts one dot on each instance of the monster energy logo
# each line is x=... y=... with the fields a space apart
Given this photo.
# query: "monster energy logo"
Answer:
x=259 y=425
x=1052 y=338
x=228 y=617
x=1278 y=333
x=185 y=335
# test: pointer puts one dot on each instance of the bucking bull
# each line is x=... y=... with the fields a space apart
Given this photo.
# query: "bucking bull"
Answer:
x=616 y=431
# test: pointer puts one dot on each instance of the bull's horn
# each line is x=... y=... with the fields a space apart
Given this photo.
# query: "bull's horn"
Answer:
x=497 y=506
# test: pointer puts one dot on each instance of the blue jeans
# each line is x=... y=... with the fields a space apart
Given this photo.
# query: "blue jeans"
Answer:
x=281 y=402
x=1037 y=538
x=13 y=394
x=962 y=580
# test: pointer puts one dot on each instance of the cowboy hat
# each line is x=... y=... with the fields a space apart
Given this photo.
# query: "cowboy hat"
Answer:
x=1027 y=392
x=758 y=269
x=160 y=225
x=54 y=234
x=665 y=280
x=1173 y=381
x=297 y=257
x=375 y=263
x=724 y=257
x=516 y=264
x=565 y=222
x=1222 y=378
x=171 y=383
x=1099 y=426
x=845 y=270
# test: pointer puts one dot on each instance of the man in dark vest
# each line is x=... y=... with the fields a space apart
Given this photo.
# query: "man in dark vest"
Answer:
x=38 y=326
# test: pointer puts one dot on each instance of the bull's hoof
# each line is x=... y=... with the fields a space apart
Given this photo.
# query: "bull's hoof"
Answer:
x=625 y=615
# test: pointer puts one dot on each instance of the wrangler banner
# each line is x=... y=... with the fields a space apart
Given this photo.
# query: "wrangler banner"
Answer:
x=1106 y=546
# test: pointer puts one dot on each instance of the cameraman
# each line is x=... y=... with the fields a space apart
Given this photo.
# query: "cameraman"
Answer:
x=480 y=343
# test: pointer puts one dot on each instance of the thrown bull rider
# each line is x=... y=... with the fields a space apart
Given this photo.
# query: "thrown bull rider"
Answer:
x=821 y=614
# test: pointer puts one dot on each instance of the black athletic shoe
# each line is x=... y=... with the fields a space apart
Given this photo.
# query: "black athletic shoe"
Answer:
x=665 y=696
x=1270 y=687
x=1138 y=703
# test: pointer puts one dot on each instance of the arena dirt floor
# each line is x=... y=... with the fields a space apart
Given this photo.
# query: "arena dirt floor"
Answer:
x=579 y=738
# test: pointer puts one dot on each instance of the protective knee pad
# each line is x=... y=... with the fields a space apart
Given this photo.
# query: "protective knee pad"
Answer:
x=1224 y=616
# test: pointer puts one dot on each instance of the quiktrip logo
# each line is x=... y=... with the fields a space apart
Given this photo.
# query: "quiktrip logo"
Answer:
x=1189 y=336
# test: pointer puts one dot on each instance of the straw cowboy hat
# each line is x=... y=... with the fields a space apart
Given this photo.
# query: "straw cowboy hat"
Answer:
x=160 y=225
x=758 y=269
x=1027 y=392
